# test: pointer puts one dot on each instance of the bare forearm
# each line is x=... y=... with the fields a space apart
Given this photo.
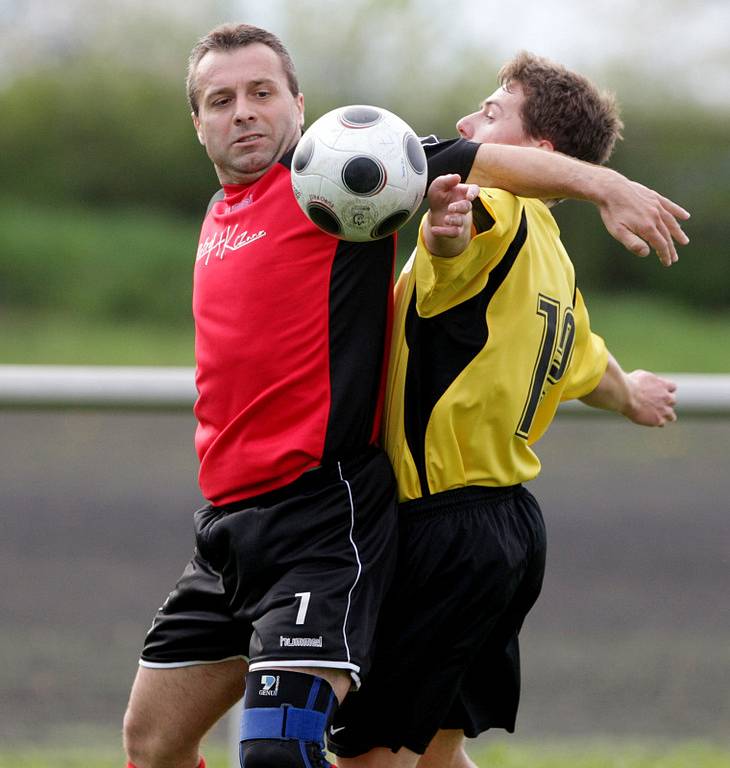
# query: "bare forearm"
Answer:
x=638 y=217
x=641 y=396
x=532 y=172
x=613 y=392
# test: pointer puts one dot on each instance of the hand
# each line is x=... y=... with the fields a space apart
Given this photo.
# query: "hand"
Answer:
x=642 y=219
x=450 y=204
x=447 y=230
x=652 y=399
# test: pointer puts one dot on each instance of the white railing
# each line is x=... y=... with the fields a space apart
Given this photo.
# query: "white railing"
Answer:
x=96 y=386
x=58 y=386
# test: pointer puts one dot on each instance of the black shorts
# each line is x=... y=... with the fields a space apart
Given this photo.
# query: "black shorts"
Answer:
x=471 y=564
x=292 y=578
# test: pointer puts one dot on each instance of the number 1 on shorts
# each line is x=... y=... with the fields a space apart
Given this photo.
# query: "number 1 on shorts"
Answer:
x=303 y=606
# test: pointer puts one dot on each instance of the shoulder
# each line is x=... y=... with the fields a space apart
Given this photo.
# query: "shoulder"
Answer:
x=286 y=159
x=496 y=206
x=217 y=197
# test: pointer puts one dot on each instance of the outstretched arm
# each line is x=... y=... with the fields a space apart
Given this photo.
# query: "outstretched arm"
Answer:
x=641 y=396
x=447 y=227
x=638 y=217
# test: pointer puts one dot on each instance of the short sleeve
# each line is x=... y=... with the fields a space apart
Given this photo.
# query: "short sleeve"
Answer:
x=451 y=156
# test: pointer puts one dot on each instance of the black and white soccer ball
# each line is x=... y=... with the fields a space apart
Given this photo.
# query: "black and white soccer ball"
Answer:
x=359 y=172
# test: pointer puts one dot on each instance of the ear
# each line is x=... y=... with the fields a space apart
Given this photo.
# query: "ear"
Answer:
x=198 y=128
x=545 y=144
x=300 y=105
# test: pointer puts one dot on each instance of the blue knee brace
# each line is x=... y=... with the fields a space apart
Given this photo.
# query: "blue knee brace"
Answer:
x=284 y=718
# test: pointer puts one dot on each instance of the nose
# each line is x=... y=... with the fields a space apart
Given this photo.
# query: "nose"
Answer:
x=244 y=112
x=463 y=126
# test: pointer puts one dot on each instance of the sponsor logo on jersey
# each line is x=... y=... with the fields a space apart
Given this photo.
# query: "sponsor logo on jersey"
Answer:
x=242 y=204
x=228 y=239
x=306 y=642
x=270 y=685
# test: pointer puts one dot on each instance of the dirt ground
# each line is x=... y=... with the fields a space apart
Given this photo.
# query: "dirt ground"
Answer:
x=631 y=636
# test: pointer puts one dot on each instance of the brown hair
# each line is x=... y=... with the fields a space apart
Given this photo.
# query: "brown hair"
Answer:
x=229 y=37
x=564 y=107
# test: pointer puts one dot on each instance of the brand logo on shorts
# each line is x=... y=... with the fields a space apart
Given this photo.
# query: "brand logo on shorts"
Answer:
x=301 y=642
x=270 y=685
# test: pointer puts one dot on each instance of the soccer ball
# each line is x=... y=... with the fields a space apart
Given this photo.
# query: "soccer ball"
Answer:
x=359 y=173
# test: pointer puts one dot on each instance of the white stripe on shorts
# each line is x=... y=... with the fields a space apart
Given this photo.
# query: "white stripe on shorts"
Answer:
x=175 y=664
x=314 y=663
x=357 y=557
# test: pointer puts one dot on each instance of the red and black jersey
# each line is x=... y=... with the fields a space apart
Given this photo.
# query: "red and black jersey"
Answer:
x=291 y=333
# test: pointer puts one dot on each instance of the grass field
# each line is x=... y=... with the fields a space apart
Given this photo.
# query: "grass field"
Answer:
x=641 y=332
x=62 y=340
x=501 y=755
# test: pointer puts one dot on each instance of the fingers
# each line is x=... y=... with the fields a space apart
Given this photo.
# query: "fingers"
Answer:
x=657 y=239
x=667 y=413
x=666 y=231
x=460 y=206
x=472 y=191
x=448 y=188
x=655 y=399
x=630 y=241
x=445 y=231
x=666 y=402
x=676 y=232
x=449 y=215
x=671 y=399
x=643 y=220
x=440 y=188
x=664 y=245
x=667 y=416
x=674 y=210
x=451 y=224
x=446 y=182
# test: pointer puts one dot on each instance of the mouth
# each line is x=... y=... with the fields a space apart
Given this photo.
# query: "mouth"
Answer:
x=249 y=138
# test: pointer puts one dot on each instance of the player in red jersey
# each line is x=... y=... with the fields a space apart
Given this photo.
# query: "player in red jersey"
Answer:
x=296 y=546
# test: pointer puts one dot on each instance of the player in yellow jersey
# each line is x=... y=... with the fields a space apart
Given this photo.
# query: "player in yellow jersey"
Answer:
x=491 y=333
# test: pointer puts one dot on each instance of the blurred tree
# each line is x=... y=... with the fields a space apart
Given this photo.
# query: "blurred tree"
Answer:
x=102 y=134
x=103 y=122
x=685 y=154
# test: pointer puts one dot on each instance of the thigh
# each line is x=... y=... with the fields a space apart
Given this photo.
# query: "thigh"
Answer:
x=446 y=750
x=178 y=706
x=380 y=758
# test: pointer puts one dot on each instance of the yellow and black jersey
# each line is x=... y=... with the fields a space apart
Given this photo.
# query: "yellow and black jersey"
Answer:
x=485 y=347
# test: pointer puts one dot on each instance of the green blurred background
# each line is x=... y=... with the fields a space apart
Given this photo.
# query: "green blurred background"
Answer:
x=104 y=183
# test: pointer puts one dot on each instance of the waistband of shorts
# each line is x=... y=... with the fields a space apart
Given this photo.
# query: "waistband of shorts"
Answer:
x=455 y=498
x=311 y=480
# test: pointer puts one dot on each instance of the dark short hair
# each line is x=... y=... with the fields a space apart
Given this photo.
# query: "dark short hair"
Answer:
x=229 y=37
x=564 y=107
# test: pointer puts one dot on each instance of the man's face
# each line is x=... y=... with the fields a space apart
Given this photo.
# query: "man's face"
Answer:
x=247 y=117
x=498 y=121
